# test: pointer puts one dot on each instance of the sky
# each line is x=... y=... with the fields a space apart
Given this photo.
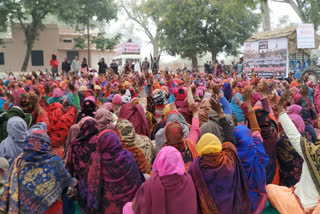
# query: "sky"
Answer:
x=277 y=11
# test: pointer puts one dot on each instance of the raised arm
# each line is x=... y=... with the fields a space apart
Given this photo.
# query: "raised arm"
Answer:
x=254 y=126
x=289 y=128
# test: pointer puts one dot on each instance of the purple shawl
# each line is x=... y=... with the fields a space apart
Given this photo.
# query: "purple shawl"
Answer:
x=136 y=116
x=111 y=179
x=80 y=148
x=221 y=182
x=172 y=192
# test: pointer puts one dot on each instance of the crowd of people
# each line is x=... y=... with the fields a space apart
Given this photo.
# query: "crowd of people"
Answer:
x=158 y=142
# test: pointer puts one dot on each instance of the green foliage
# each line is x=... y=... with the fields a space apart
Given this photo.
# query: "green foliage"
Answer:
x=102 y=43
x=30 y=15
x=80 y=42
x=309 y=11
x=191 y=27
x=80 y=13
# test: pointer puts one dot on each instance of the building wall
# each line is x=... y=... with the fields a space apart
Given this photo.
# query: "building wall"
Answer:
x=50 y=42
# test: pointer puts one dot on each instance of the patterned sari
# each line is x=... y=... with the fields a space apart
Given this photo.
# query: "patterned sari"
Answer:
x=37 y=179
x=254 y=161
x=174 y=135
x=221 y=182
x=112 y=177
x=81 y=148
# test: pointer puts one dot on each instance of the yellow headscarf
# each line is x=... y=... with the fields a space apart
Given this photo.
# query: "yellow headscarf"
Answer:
x=208 y=144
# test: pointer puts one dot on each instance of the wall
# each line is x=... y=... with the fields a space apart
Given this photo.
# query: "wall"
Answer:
x=50 y=41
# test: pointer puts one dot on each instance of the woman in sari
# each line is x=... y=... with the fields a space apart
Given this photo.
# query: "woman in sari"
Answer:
x=304 y=197
x=174 y=135
x=37 y=179
x=18 y=132
x=290 y=162
x=60 y=122
x=253 y=157
x=15 y=111
x=134 y=112
x=112 y=177
x=81 y=148
x=88 y=109
x=169 y=190
x=219 y=178
x=140 y=146
x=104 y=119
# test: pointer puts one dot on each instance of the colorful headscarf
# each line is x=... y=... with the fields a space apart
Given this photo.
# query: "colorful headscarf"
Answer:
x=169 y=190
x=37 y=179
x=208 y=144
x=88 y=109
x=81 y=148
x=112 y=176
x=104 y=119
x=227 y=91
x=220 y=181
x=254 y=160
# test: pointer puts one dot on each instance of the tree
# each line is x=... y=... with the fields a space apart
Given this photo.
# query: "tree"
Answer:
x=307 y=10
x=30 y=15
x=83 y=13
x=102 y=43
x=265 y=12
x=190 y=27
x=139 y=12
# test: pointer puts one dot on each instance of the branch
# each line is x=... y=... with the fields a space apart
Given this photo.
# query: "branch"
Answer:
x=294 y=7
x=22 y=25
x=149 y=34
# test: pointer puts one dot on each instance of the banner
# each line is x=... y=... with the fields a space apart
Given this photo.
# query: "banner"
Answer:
x=128 y=47
x=267 y=57
x=305 y=36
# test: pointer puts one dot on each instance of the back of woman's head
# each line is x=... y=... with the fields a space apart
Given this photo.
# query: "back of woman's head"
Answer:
x=208 y=144
x=168 y=162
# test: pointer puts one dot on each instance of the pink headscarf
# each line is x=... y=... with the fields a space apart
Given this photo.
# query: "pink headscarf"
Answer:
x=168 y=162
x=117 y=100
x=92 y=98
x=108 y=106
x=57 y=92
x=255 y=98
x=294 y=109
x=298 y=122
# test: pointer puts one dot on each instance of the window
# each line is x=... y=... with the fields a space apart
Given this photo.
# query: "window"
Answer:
x=67 y=40
x=37 y=58
x=71 y=55
x=1 y=58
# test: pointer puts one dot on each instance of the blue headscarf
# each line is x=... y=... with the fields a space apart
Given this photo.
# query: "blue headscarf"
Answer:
x=237 y=110
x=39 y=177
x=254 y=161
x=227 y=91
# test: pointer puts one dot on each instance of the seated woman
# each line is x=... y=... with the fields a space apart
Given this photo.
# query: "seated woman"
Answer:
x=104 y=119
x=61 y=119
x=82 y=147
x=112 y=177
x=253 y=157
x=290 y=162
x=219 y=178
x=12 y=146
x=140 y=146
x=304 y=197
x=37 y=179
x=174 y=137
x=169 y=190
x=134 y=112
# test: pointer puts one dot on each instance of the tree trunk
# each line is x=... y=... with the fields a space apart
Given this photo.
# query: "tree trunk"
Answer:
x=194 y=62
x=213 y=56
x=88 y=41
x=155 y=49
x=27 y=56
x=265 y=10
